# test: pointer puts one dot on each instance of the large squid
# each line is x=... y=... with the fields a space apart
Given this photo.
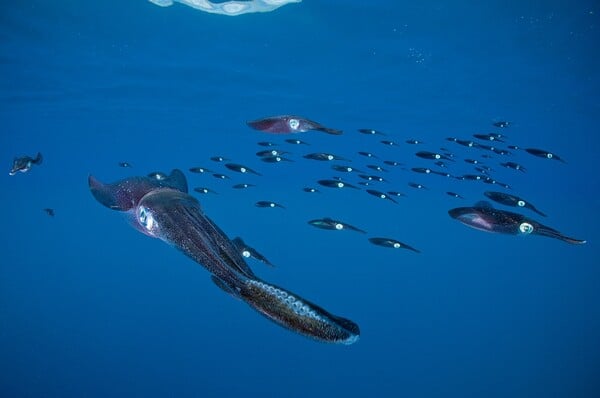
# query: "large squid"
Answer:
x=286 y=124
x=484 y=217
x=162 y=208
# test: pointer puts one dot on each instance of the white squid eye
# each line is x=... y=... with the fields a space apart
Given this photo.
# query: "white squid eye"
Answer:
x=339 y=226
x=396 y=245
x=526 y=228
x=294 y=124
x=145 y=218
x=521 y=203
x=549 y=156
x=246 y=253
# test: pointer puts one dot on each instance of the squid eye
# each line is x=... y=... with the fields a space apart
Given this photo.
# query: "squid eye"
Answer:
x=521 y=203
x=294 y=124
x=526 y=228
x=145 y=218
x=142 y=216
x=339 y=226
x=246 y=253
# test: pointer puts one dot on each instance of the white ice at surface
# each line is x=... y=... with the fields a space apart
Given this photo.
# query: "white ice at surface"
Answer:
x=231 y=8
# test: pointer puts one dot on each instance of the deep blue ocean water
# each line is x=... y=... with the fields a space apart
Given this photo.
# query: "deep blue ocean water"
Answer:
x=89 y=307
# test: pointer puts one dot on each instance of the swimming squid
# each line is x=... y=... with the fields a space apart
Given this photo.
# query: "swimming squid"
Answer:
x=163 y=209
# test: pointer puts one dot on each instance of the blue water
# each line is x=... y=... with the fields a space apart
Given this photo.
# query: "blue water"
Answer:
x=90 y=307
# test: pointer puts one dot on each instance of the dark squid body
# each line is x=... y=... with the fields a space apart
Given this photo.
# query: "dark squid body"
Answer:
x=286 y=124
x=486 y=218
x=163 y=209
